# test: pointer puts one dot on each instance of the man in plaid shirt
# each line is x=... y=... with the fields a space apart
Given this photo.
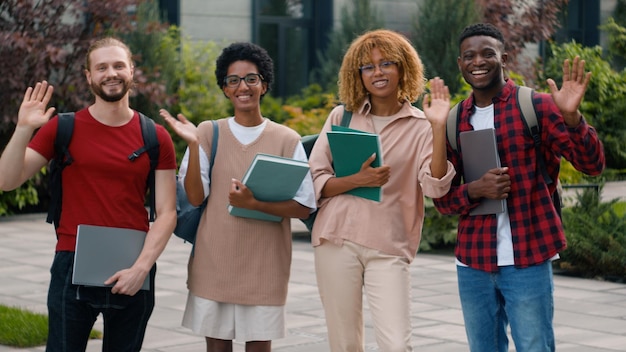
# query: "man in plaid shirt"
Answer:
x=504 y=260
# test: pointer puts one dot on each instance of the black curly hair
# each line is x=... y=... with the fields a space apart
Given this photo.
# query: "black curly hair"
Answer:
x=245 y=52
x=480 y=29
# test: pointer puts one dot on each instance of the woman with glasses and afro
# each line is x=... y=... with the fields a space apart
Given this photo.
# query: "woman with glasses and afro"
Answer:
x=239 y=269
x=362 y=245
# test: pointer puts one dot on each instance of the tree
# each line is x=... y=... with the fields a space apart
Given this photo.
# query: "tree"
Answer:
x=362 y=18
x=521 y=22
x=436 y=29
x=156 y=48
x=48 y=40
x=619 y=14
x=198 y=96
x=616 y=29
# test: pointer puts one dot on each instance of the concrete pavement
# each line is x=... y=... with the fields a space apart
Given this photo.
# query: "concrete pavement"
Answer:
x=590 y=315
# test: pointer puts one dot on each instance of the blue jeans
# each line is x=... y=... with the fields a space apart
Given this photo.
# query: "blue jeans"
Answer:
x=522 y=298
x=73 y=309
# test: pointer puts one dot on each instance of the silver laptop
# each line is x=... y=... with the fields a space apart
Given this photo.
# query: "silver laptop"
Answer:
x=102 y=251
x=480 y=154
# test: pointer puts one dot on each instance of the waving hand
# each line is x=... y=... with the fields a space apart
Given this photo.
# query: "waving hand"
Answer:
x=568 y=98
x=33 y=111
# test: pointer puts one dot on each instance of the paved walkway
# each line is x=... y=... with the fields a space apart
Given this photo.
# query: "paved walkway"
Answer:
x=590 y=315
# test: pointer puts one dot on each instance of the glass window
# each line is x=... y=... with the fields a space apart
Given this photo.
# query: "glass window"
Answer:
x=292 y=31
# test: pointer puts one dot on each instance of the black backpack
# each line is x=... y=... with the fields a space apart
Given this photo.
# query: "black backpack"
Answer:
x=529 y=115
x=308 y=142
x=63 y=159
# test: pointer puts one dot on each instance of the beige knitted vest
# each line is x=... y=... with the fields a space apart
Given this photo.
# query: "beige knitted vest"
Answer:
x=239 y=260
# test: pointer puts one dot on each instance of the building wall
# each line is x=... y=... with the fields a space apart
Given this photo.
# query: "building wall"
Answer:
x=227 y=21
x=231 y=20
x=216 y=20
x=397 y=14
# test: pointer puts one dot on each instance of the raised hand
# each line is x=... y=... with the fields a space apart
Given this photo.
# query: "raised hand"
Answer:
x=437 y=103
x=568 y=98
x=181 y=126
x=33 y=111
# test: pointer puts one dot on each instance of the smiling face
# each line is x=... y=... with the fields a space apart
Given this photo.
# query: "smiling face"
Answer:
x=482 y=62
x=383 y=81
x=110 y=73
x=245 y=98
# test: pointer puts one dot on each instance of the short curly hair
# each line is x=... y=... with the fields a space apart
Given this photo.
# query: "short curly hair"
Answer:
x=245 y=52
x=481 y=29
x=394 y=47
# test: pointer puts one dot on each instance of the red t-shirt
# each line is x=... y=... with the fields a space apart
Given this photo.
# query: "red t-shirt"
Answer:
x=102 y=186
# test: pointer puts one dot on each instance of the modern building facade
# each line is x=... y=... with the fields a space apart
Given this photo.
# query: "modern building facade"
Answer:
x=291 y=30
x=294 y=30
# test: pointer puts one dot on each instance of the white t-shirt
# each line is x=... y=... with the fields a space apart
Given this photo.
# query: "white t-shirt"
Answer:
x=482 y=119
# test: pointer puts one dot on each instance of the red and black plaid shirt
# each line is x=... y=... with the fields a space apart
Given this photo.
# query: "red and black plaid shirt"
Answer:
x=535 y=225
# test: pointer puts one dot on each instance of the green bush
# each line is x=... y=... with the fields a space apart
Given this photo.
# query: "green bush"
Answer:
x=21 y=197
x=308 y=111
x=596 y=236
x=439 y=231
x=605 y=99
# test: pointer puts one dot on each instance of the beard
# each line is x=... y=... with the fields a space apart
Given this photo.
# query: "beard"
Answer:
x=112 y=97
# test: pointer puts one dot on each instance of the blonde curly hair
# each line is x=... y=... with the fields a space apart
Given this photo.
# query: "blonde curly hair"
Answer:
x=394 y=47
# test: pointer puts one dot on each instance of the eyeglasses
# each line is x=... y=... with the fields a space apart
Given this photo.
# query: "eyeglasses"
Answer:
x=251 y=79
x=385 y=67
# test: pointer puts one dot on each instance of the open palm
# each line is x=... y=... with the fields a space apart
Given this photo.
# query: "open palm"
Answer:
x=33 y=110
x=437 y=102
x=575 y=82
x=181 y=126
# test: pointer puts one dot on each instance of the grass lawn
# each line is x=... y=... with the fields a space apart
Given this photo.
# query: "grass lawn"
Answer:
x=21 y=328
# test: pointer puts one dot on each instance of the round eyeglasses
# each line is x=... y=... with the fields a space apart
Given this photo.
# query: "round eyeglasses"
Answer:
x=385 y=67
x=251 y=79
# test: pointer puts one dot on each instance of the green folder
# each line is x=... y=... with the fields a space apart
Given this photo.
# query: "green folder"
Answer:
x=349 y=149
x=271 y=178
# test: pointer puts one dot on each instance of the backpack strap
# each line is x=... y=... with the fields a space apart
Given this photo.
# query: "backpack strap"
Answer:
x=452 y=122
x=151 y=146
x=62 y=158
x=346 y=118
x=526 y=106
x=150 y=140
x=216 y=135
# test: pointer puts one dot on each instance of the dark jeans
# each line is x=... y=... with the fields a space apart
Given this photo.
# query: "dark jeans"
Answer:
x=73 y=309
